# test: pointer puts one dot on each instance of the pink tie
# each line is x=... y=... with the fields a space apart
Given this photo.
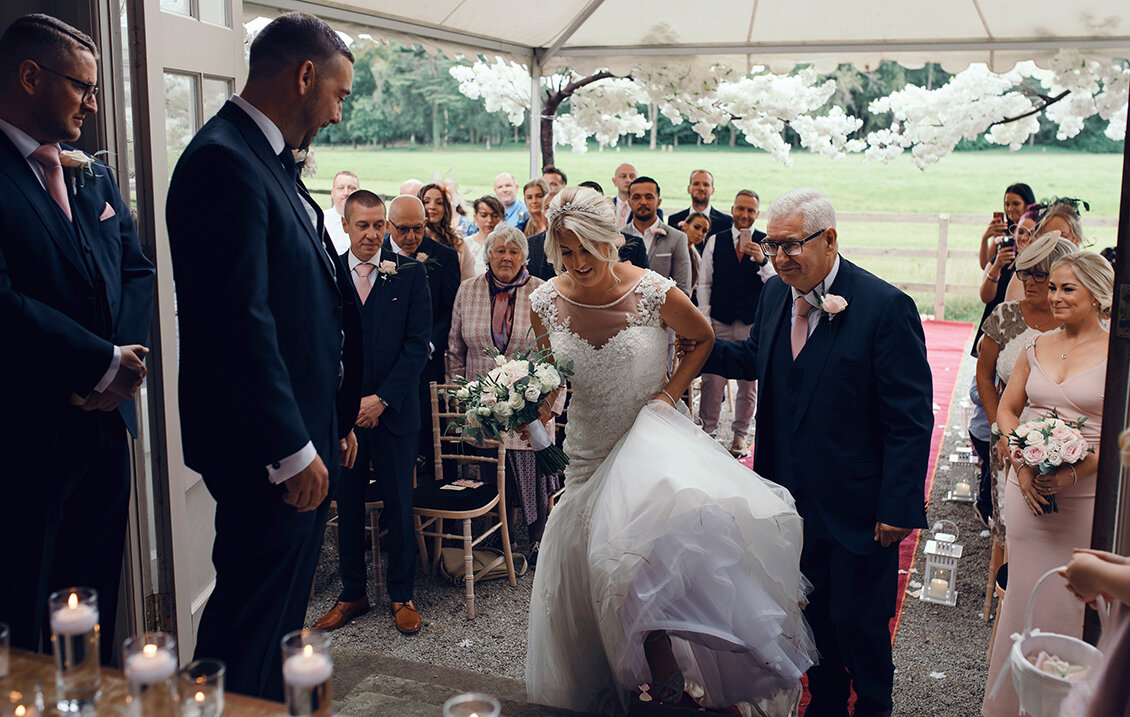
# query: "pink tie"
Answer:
x=364 y=286
x=800 y=325
x=743 y=239
x=48 y=156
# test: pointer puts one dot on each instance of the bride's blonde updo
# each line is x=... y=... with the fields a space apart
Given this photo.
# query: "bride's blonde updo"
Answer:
x=1095 y=274
x=589 y=215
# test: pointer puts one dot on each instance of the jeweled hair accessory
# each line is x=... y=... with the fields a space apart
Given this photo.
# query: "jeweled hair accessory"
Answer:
x=584 y=209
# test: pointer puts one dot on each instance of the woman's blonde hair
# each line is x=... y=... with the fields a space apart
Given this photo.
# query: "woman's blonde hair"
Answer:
x=1095 y=274
x=1064 y=211
x=589 y=216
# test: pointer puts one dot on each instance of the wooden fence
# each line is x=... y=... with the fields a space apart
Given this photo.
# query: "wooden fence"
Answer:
x=939 y=254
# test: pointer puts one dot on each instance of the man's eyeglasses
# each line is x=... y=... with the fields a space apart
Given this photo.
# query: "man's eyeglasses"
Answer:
x=88 y=90
x=792 y=248
x=418 y=229
x=1040 y=277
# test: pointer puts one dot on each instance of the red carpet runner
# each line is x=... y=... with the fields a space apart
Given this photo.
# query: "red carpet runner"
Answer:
x=945 y=348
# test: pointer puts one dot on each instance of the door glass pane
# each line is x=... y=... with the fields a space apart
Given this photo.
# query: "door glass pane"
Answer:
x=180 y=7
x=180 y=114
x=214 y=11
x=216 y=93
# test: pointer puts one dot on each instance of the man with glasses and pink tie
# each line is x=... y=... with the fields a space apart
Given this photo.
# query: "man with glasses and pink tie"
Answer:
x=844 y=418
x=75 y=307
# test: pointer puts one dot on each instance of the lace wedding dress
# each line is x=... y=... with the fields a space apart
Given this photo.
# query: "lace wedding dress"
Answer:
x=659 y=529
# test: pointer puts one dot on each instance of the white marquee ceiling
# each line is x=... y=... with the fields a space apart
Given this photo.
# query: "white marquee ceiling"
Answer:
x=585 y=34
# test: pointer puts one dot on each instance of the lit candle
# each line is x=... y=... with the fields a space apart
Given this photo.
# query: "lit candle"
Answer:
x=74 y=618
x=309 y=669
x=963 y=489
x=938 y=588
x=152 y=664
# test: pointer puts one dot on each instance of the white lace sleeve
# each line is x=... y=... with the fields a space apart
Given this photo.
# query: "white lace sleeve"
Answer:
x=544 y=301
x=652 y=290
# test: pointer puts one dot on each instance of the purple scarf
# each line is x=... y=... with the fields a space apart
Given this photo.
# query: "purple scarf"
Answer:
x=503 y=296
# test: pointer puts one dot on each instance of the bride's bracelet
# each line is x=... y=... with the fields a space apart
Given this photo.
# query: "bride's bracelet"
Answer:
x=673 y=401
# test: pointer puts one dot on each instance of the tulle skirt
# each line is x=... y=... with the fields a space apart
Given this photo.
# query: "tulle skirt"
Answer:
x=669 y=533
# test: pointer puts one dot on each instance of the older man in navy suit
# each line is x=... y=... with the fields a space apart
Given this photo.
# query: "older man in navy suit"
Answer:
x=396 y=315
x=269 y=343
x=843 y=421
x=75 y=307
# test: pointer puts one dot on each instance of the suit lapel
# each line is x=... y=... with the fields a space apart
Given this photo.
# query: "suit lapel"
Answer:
x=55 y=223
x=262 y=149
x=383 y=290
x=819 y=344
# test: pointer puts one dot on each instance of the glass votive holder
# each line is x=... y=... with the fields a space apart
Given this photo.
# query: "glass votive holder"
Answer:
x=307 y=672
x=151 y=667
x=17 y=701
x=74 y=640
x=472 y=704
x=5 y=659
x=201 y=689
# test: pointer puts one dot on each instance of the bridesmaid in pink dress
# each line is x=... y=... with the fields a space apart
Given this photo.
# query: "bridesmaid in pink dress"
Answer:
x=1063 y=370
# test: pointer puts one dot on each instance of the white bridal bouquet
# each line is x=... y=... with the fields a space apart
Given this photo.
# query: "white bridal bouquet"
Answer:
x=509 y=397
x=1046 y=443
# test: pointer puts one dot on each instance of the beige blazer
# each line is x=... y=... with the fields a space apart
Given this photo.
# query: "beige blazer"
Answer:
x=470 y=335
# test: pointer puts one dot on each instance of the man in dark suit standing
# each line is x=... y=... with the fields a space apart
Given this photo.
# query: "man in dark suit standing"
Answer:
x=734 y=270
x=844 y=422
x=396 y=318
x=75 y=307
x=701 y=189
x=407 y=238
x=269 y=343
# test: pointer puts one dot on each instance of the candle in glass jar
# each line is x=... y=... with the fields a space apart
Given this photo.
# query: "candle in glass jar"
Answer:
x=308 y=669
x=963 y=490
x=74 y=618
x=152 y=664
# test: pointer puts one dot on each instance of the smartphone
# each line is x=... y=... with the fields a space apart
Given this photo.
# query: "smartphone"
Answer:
x=998 y=215
x=1007 y=242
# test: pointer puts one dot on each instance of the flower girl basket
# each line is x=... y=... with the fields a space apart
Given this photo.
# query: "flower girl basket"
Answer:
x=1041 y=693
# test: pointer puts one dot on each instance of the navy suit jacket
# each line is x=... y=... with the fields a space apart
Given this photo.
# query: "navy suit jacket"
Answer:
x=863 y=415
x=269 y=341
x=443 y=283
x=69 y=292
x=397 y=325
x=719 y=222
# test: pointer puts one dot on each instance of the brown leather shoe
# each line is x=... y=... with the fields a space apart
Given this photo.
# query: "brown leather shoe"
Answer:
x=341 y=613
x=406 y=617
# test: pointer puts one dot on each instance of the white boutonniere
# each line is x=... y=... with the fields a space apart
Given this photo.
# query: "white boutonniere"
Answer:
x=304 y=160
x=829 y=304
x=79 y=166
x=387 y=269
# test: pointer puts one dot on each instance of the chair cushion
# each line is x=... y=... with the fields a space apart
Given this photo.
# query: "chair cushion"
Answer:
x=432 y=496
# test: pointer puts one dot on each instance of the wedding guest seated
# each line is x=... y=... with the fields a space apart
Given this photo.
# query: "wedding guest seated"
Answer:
x=1006 y=331
x=534 y=195
x=1062 y=371
x=442 y=226
x=488 y=213
x=554 y=178
x=492 y=311
x=345 y=183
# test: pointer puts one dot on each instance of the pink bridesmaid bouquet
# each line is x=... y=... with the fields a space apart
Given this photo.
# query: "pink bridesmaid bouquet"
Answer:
x=1046 y=443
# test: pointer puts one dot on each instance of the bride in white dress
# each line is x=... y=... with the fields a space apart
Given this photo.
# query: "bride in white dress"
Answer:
x=666 y=561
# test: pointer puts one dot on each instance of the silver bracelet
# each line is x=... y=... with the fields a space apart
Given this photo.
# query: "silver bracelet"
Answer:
x=1074 y=475
x=673 y=401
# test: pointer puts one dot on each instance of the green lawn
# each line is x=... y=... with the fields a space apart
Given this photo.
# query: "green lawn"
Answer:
x=962 y=183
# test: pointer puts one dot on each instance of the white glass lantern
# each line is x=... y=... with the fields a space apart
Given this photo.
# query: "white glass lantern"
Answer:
x=942 y=557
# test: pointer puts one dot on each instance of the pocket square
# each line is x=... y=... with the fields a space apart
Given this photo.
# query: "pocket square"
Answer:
x=660 y=256
x=107 y=212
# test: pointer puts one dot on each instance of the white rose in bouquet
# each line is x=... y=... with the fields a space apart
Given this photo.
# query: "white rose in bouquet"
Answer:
x=483 y=411
x=1034 y=455
x=1073 y=450
x=500 y=360
x=516 y=402
x=548 y=378
x=1054 y=457
x=487 y=399
x=533 y=392
x=502 y=410
x=463 y=394
x=1023 y=430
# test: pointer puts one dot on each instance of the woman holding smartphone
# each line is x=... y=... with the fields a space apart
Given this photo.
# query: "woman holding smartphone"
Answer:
x=1017 y=197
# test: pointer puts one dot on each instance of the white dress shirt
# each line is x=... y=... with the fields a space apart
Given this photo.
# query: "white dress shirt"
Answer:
x=26 y=144
x=290 y=466
x=706 y=268
x=648 y=234
x=814 y=316
x=335 y=229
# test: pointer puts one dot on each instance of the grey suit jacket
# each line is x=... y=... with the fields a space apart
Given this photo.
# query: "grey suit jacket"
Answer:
x=670 y=257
